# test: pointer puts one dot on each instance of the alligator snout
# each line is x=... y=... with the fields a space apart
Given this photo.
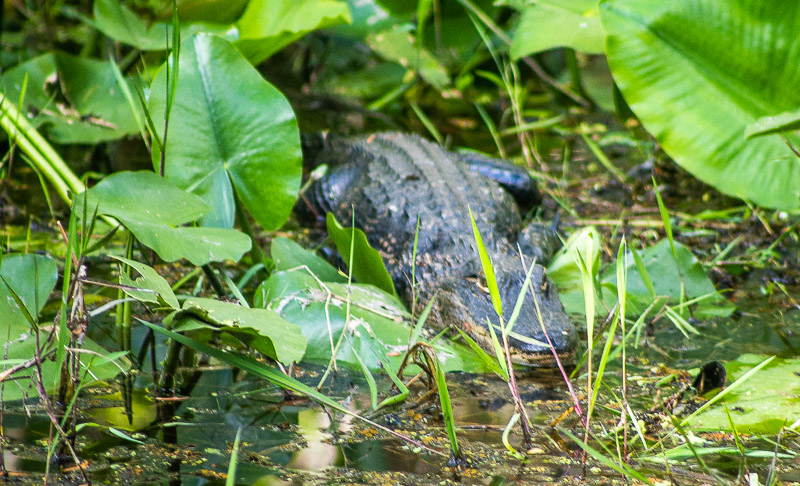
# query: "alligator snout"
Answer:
x=467 y=304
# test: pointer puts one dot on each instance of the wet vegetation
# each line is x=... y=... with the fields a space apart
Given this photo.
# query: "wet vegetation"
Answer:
x=166 y=318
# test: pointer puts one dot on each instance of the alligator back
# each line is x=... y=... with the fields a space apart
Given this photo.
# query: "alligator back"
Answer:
x=392 y=180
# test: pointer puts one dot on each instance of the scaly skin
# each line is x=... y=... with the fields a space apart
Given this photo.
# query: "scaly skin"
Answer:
x=392 y=179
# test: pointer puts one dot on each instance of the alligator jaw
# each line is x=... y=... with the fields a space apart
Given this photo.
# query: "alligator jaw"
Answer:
x=466 y=304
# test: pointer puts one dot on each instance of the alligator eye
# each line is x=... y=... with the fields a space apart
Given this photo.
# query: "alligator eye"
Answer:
x=479 y=282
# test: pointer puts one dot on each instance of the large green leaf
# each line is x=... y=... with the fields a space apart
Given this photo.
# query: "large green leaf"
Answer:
x=77 y=99
x=666 y=276
x=153 y=209
x=378 y=326
x=312 y=294
x=262 y=329
x=558 y=23
x=699 y=72
x=367 y=264
x=231 y=134
x=268 y=25
x=764 y=404
x=288 y=255
x=31 y=277
x=398 y=45
x=117 y=21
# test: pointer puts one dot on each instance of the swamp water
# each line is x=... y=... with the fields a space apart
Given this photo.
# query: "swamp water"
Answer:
x=293 y=441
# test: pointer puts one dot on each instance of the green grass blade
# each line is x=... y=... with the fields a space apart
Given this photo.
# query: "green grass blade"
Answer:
x=520 y=299
x=400 y=397
x=665 y=219
x=603 y=159
x=373 y=388
x=498 y=350
x=490 y=362
x=488 y=269
x=231 y=479
x=252 y=366
x=447 y=410
x=487 y=120
x=126 y=91
x=421 y=321
x=623 y=469
x=643 y=272
x=507 y=431
x=427 y=122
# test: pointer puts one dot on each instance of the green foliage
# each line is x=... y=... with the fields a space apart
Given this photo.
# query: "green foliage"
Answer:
x=259 y=28
x=154 y=210
x=77 y=99
x=398 y=45
x=288 y=255
x=659 y=273
x=232 y=135
x=699 y=73
x=154 y=289
x=260 y=329
x=26 y=283
x=367 y=264
x=378 y=328
x=666 y=273
x=32 y=278
x=547 y=24
x=764 y=404
x=269 y=25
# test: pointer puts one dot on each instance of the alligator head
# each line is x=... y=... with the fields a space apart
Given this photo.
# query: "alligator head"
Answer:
x=465 y=302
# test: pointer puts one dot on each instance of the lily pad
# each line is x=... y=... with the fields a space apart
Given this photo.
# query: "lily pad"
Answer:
x=232 y=135
x=152 y=209
x=698 y=73
x=761 y=405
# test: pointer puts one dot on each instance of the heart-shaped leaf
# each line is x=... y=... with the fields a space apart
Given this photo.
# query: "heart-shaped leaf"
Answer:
x=153 y=209
x=32 y=278
x=96 y=111
x=120 y=23
x=699 y=72
x=283 y=340
x=231 y=134
x=268 y=25
x=559 y=23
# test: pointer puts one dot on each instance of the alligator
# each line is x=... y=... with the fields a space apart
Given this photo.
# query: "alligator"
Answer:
x=398 y=184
